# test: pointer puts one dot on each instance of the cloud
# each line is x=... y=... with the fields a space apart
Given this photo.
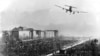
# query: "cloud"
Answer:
x=47 y=19
x=44 y=15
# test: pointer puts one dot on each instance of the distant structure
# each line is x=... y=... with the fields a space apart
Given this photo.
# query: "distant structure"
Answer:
x=30 y=33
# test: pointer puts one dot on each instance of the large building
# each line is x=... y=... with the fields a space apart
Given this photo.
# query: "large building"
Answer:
x=30 y=33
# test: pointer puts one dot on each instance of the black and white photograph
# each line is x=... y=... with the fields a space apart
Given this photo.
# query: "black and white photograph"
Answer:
x=49 y=27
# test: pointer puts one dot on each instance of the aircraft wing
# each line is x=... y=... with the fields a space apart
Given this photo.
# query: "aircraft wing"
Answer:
x=82 y=12
x=61 y=7
x=79 y=12
x=70 y=6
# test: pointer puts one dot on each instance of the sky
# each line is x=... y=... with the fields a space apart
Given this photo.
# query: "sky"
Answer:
x=43 y=14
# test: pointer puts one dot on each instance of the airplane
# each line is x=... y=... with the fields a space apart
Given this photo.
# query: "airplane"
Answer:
x=70 y=9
